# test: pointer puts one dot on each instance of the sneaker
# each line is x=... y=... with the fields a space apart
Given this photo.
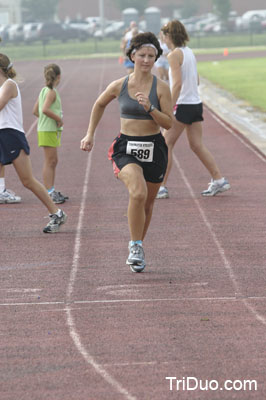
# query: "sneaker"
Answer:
x=65 y=197
x=9 y=197
x=136 y=258
x=57 y=197
x=55 y=222
x=215 y=187
x=162 y=193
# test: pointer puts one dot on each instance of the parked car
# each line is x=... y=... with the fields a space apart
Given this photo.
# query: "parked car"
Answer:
x=263 y=24
x=249 y=18
x=4 y=33
x=15 y=33
x=73 y=33
x=81 y=24
x=30 y=31
x=53 y=30
x=114 y=29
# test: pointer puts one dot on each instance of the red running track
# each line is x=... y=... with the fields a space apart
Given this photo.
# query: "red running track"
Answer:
x=77 y=324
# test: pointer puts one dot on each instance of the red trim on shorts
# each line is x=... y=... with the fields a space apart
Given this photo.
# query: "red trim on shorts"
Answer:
x=115 y=168
x=110 y=153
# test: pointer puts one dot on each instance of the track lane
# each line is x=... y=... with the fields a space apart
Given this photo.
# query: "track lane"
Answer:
x=138 y=328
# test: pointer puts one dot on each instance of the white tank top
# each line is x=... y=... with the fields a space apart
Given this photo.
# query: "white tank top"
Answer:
x=189 y=91
x=11 y=114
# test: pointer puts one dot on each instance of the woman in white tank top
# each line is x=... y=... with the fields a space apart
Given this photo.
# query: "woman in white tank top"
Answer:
x=187 y=106
x=14 y=147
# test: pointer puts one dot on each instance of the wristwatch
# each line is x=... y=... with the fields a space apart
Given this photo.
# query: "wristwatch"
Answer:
x=152 y=108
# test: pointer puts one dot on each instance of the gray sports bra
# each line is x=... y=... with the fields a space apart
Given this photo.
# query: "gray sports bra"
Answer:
x=130 y=108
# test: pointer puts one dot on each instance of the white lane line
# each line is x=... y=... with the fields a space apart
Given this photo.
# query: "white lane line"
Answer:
x=33 y=125
x=70 y=319
x=244 y=142
x=238 y=297
x=221 y=250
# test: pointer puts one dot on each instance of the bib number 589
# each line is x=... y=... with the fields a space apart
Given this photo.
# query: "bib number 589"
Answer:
x=143 y=151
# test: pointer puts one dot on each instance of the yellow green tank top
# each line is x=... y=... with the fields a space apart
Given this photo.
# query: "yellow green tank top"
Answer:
x=47 y=124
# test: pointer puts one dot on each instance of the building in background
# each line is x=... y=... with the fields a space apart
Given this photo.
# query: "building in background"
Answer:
x=10 y=12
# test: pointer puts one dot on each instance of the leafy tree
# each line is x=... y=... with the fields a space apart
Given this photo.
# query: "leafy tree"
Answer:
x=139 y=5
x=39 y=10
x=189 y=9
x=222 y=9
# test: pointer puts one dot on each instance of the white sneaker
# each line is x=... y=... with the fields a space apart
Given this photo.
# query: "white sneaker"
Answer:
x=9 y=197
x=162 y=193
x=55 y=222
x=215 y=187
x=136 y=259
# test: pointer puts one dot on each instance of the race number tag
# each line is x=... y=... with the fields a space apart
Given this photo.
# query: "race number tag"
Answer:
x=143 y=151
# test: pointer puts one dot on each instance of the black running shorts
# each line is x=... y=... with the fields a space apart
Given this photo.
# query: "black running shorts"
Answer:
x=11 y=142
x=189 y=113
x=149 y=152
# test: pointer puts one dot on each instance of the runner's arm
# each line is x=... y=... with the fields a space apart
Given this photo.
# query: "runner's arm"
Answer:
x=110 y=93
x=175 y=59
x=8 y=92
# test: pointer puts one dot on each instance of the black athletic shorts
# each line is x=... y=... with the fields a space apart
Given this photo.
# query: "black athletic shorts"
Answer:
x=149 y=152
x=11 y=142
x=189 y=113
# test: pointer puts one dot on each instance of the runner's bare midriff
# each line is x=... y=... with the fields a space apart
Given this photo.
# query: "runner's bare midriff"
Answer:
x=134 y=127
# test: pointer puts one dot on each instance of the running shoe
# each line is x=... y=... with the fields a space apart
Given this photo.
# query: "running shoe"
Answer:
x=162 y=193
x=55 y=222
x=9 y=197
x=136 y=259
x=65 y=197
x=215 y=188
x=57 y=197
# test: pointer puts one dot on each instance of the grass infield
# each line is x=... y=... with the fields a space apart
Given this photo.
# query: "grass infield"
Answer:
x=244 y=78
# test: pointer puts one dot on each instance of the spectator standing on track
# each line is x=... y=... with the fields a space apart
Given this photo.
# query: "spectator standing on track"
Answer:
x=139 y=152
x=162 y=64
x=184 y=80
x=128 y=64
x=14 y=147
x=48 y=109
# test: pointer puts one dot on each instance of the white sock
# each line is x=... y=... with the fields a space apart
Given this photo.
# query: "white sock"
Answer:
x=59 y=212
x=2 y=185
x=220 y=181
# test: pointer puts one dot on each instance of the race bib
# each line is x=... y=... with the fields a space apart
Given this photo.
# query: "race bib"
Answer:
x=143 y=151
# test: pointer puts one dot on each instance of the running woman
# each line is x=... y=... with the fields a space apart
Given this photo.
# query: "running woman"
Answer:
x=48 y=109
x=187 y=105
x=139 y=152
x=14 y=148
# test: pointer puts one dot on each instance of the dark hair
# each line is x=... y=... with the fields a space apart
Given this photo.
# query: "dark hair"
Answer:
x=7 y=67
x=177 y=32
x=51 y=72
x=141 y=39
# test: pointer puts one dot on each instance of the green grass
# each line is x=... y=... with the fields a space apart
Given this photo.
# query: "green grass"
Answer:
x=56 y=49
x=228 y=40
x=59 y=50
x=244 y=78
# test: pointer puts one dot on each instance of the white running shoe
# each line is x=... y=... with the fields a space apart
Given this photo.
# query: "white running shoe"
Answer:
x=55 y=222
x=9 y=197
x=136 y=259
x=215 y=188
x=162 y=193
